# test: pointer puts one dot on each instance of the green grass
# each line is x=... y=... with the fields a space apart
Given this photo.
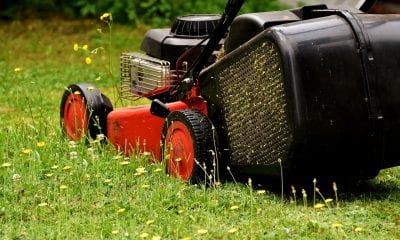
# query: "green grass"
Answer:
x=49 y=193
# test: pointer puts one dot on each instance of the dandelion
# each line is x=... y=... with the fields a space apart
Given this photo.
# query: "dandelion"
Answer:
x=16 y=177
x=6 y=165
x=88 y=60
x=40 y=144
x=54 y=167
x=106 y=17
x=358 y=229
x=149 y=222
x=85 y=47
x=43 y=204
x=337 y=225
x=202 y=231
x=121 y=210
x=234 y=207
x=233 y=230
x=180 y=211
x=26 y=151
x=144 y=235
x=145 y=186
x=66 y=168
x=157 y=170
x=76 y=47
x=63 y=187
x=17 y=69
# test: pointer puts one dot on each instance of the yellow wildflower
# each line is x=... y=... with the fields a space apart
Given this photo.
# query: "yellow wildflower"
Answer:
x=319 y=205
x=358 y=229
x=186 y=238
x=145 y=186
x=27 y=151
x=66 y=168
x=40 y=144
x=144 y=235
x=54 y=167
x=85 y=47
x=42 y=204
x=124 y=163
x=76 y=47
x=141 y=170
x=156 y=238
x=337 y=225
x=328 y=200
x=88 y=60
x=157 y=170
x=261 y=192
x=63 y=187
x=17 y=69
x=115 y=232
x=234 y=207
x=233 y=230
x=49 y=174
x=107 y=180
x=202 y=231
x=5 y=165
x=106 y=17
x=121 y=210
x=149 y=222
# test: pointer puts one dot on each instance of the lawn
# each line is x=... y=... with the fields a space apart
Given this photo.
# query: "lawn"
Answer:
x=56 y=189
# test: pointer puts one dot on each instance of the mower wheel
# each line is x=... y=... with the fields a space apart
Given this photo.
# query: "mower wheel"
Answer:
x=83 y=111
x=188 y=145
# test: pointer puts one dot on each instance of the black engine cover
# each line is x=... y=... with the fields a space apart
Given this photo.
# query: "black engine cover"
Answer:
x=185 y=33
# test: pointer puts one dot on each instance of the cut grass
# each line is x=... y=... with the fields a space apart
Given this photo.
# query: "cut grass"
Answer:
x=54 y=190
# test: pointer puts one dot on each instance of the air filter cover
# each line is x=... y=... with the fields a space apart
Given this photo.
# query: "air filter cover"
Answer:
x=196 y=26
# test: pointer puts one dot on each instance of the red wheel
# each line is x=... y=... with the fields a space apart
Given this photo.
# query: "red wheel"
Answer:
x=83 y=111
x=187 y=138
x=75 y=117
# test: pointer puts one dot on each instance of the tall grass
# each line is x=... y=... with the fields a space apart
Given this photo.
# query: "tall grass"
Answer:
x=55 y=189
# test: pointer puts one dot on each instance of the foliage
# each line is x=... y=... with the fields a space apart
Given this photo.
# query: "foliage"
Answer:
x=154 y=12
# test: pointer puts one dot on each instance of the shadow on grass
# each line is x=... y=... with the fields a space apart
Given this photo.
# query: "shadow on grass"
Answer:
x=386 y=186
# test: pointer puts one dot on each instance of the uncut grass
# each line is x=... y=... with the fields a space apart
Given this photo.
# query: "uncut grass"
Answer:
x=54 y=190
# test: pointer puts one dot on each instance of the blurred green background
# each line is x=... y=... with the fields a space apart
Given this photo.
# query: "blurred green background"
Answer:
x=152 y=12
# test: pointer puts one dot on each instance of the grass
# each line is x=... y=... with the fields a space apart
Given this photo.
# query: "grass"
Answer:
x=52 y=189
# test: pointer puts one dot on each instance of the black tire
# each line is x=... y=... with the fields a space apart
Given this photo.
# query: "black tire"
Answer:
x=189 y=130
x=94 y=107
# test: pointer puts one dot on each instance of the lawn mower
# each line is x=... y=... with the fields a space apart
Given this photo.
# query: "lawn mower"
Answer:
x=307 y=92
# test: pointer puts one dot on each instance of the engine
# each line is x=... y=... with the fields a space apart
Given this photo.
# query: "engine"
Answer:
x=168 y=52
